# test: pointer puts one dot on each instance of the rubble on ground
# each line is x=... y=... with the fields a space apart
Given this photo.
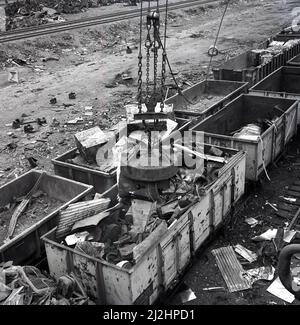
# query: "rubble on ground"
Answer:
x=24 y=13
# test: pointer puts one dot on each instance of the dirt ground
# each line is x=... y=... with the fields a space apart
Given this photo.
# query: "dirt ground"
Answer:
x=90 y=63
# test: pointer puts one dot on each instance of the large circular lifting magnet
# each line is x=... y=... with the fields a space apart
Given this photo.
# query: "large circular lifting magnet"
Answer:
x=154 y=168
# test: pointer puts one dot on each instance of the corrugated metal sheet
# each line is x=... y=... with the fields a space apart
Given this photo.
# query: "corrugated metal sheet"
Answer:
x=79 y=211
x=231 y=269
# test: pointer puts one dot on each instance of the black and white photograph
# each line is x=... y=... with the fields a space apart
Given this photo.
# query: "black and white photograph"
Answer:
x=149 y=155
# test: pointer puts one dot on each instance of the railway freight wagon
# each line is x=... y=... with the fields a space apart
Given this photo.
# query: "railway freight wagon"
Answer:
x=282 y=83
x=278 y=120
x=100 y=180
x=26 y=246
x=247 y=67
x=205 y=98
x=164 y=261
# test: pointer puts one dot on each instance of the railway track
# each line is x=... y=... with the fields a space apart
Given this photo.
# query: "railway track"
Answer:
x=92 y=21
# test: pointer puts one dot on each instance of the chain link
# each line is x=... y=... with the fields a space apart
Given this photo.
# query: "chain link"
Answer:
x=155 y=51
x=148 y=45
x=163 y=79
x=140 y=95
x=140 y=62
x=155 y=45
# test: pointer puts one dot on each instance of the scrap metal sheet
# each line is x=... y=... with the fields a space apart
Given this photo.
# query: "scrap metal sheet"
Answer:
x=231 y=269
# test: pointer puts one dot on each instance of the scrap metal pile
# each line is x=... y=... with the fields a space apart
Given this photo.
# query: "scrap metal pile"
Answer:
x=71 y=6
x=144 y=211
x=121 y=234
x=27 y=285
x=262 y=56
x=22 y=14
x=25 y=13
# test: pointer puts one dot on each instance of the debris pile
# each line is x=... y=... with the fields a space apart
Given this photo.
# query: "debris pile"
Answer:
x=27 y=285
x=238 y=279
x=22 y=14
x=69 y=6
x=294 y=29
x=268 y=247
x=25 y=13
x=122 y=233
x=262 y=56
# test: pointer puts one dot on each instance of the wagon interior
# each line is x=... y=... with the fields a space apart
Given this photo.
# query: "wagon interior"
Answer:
x=203 y=95
x=244 y=110
x=286 y=79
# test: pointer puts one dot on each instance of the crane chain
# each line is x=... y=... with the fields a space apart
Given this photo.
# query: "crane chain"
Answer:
x=140 y=83
x=140 y=64
x=155 y=51
x=148 y=45
x=163 y=64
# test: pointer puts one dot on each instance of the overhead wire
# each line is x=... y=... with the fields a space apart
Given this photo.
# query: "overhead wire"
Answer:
x=216 y=39
x=179 y=91
x=163 y=66
x=165 y=56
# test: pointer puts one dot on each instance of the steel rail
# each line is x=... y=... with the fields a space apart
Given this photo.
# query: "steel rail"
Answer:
x=92 y=21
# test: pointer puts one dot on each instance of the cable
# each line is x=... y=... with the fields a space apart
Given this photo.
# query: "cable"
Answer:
x=180 y=93
x=166 y=21
x=171 y=71
x=263 y=160
x=216 y=39
x=163 y=65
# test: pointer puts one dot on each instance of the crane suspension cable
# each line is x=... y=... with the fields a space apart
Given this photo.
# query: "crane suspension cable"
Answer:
x=216 y=39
